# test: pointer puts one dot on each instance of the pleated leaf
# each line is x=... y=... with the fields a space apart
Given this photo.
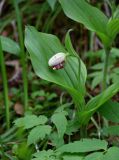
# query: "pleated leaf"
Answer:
x=96 y=102
x=42 y=47
x=113 y=28
x=110 y=110
x=70 y=49
x=81 y=11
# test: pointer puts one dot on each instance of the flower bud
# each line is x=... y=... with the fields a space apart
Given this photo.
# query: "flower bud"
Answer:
x=57 y=61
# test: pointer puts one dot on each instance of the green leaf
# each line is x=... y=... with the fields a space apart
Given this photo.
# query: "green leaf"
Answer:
x=38 y=133
x=38 y=94
x=72 y=157
x=52 y=3
x=73 y=126
x=68 y=44
x=113 y=28
x=110 y=111
x=43 y=154
x=111 y=130
x=56 y=141
x=96 y=102
x=10 y=46
x=30 y=121
x=116 y=13
x=97 y=66
x=70 y=49
x=82 y=146
x=94 y=156
x=60 y=121
x=92 y=18
x=41 y=47
x=112 y=154
x=96 y=80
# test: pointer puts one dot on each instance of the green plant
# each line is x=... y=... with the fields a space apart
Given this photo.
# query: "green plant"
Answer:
x=83 y=149
x=105 y=28
x=7 y=45
x=96 y=74
x=34 y=42
x=73 y=75
x=4 y=76
x=53 y=119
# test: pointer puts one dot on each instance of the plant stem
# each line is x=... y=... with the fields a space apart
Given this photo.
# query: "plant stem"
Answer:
x=23 y=57
x=83 y=132
x=105 y=70
x=83 y=129
x=104 y=82
x=5 y=86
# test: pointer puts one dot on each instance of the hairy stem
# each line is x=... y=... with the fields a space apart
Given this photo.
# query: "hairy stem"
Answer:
x=104 y=82
x=83 y=132
x=23 y=57
x=5 y=86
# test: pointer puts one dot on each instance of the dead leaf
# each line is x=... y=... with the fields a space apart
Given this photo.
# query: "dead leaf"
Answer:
x=19 y=108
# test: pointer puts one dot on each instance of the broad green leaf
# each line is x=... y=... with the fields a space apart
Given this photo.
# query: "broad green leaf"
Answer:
x=110 y=111
x=111 y=130
x=72 y=157
x=82 y=146
x=41 y=47
x=113 y=28
x=96 y=102
x=94 y=156
x=52 y=3
x=38 y=133
x=60 y=121
x=30 y=121
x=111 y=154
x=92 y=18
x=10 y=46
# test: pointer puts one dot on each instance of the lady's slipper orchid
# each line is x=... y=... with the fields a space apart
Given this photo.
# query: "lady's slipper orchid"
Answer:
x=57 y=61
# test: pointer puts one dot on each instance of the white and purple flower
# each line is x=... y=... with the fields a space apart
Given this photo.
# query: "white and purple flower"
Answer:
x=57 y=61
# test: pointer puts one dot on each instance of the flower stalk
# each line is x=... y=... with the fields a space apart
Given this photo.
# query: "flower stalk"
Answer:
x=23 y=57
